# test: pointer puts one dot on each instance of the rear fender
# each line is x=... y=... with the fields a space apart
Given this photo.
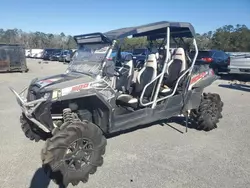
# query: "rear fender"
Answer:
x=205 y=82
x=203 y=79
x=193 y=99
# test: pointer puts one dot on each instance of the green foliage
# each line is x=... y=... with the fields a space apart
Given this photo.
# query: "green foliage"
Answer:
x=37 y=39
x=234 y=39
x=227 y=38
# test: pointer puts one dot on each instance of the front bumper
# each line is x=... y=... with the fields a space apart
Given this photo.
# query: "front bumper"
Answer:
x=54 y=58
x=223 y=70
x=46 y=57
x=28 y=108
x=238 y=70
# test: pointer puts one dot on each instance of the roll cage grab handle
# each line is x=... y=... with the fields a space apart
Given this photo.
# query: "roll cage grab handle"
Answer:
x=161 y=75
x=108 y=53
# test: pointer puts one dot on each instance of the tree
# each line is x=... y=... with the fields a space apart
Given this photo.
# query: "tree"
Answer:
x=228 y=38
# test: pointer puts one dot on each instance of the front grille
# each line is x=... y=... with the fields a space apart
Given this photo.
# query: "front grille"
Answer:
x=33 y=93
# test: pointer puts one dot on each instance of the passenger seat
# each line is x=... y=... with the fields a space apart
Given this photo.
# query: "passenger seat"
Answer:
x=145 y=75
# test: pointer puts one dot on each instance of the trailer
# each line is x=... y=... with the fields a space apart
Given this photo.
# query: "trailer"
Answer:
x=12 y=58
x=34 y=53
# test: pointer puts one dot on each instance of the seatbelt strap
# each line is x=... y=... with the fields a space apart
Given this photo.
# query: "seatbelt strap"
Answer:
x=123 y=89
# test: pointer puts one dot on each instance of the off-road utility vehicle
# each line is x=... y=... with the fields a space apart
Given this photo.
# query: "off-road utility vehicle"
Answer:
x=75 y=111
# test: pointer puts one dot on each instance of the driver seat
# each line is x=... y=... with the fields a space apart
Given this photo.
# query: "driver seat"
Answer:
x=174 y=71
x=123 y=82
x=145 y=75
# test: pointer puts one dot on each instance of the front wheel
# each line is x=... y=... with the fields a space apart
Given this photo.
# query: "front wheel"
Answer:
x=208 y=114
x=31 y=131
x=74 y=153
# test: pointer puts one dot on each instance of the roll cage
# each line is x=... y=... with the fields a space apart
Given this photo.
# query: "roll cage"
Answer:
x=160 y=30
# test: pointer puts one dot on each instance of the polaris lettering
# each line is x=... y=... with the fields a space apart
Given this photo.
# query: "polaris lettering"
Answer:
x=79 y=87
x=196 y=78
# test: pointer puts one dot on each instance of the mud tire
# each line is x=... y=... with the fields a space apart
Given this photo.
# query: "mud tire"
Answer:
x=208 y=114
x=32 y=133
x=53 y=153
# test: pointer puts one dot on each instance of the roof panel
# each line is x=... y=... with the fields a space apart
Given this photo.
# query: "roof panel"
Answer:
x=153 y=29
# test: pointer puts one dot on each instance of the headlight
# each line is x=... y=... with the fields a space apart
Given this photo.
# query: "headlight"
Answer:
x=56 y=94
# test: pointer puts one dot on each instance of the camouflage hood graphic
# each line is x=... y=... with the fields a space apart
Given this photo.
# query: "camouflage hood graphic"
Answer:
x=62 y=80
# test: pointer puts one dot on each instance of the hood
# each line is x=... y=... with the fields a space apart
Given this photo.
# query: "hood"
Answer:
x=61 y=81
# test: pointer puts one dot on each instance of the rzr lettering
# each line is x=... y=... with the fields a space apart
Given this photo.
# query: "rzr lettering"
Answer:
x=79 y=87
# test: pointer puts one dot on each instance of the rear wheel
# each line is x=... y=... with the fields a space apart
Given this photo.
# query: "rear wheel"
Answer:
x=208 y=114
x=74 y=153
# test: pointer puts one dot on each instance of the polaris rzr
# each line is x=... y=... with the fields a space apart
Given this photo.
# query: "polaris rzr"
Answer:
x=75 y=111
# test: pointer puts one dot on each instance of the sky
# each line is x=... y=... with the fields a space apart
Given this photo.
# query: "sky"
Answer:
x=86 y=16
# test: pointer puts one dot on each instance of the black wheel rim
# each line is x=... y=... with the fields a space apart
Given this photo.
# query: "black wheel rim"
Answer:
x=78 y=154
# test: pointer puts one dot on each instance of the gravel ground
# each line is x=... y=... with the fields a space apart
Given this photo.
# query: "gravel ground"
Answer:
x=157 y=156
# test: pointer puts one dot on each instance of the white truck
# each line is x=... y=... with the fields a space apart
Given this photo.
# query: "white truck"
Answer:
x=240 y=62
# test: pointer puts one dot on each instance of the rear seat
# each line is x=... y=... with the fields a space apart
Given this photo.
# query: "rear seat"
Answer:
x=174 y=71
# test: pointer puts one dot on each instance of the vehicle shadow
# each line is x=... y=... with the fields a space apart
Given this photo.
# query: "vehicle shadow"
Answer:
x=41 y=180
x=240 y=87
x=42 y=62
x=235 y=77
x=12 y=72
x=167 y=122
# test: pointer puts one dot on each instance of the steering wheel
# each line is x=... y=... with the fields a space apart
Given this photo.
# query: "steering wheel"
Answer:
x=118 y=72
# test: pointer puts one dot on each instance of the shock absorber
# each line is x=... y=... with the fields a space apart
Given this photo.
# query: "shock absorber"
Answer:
x=68 y=115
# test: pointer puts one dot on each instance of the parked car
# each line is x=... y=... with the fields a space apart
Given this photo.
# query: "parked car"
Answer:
x=219 y=61
x=49 y=52
x=56 y=56
x=65 y=56
x=69 y=56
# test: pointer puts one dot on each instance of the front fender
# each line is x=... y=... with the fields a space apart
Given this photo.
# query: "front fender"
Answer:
x=91 y=101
